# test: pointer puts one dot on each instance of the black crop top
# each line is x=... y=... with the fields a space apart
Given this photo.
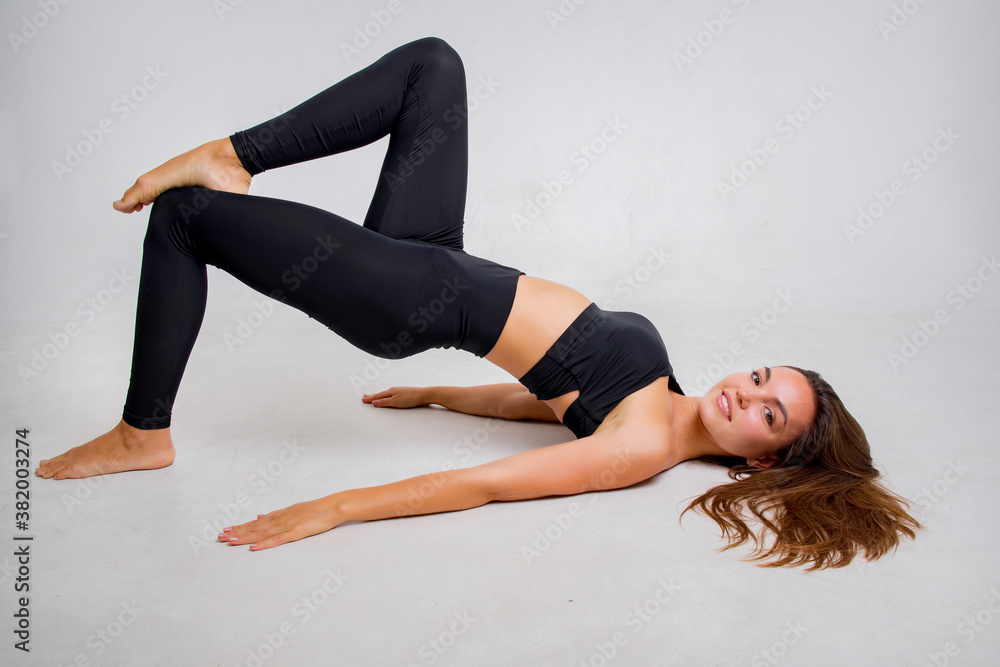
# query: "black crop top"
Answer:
x=606 y=355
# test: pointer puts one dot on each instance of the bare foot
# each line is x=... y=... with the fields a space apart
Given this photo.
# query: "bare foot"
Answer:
x=214 y=165
x=120 y=449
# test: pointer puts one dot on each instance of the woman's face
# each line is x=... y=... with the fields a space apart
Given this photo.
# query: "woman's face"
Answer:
x=754 y=414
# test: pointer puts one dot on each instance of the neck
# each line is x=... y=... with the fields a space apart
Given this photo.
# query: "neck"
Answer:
x=690 y=435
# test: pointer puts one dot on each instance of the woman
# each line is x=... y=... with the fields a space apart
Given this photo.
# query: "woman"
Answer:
x=401 y=284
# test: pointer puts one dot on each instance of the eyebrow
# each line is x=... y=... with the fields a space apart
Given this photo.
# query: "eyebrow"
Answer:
x=781 y=406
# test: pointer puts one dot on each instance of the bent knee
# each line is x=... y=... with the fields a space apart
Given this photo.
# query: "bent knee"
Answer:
x=437 y=53
x=184 y=203
x=175 y=210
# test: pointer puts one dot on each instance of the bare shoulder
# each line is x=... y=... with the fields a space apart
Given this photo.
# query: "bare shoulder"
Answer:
x=644 y=419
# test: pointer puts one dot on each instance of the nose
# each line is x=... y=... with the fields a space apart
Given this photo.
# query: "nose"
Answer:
x=743 y=397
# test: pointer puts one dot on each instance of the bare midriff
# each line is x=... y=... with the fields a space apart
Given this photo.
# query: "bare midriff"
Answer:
x=542 y=311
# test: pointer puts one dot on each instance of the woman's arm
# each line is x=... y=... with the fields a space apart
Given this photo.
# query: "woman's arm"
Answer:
x=505 y=401
x=606 y=460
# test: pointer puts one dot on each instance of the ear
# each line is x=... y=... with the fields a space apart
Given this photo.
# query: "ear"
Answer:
x=764 y=461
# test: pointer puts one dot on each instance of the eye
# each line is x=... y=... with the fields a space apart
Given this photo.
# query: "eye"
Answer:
x=756 y=377
x=769 y=416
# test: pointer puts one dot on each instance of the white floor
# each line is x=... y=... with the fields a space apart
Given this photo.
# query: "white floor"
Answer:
x=124 y=570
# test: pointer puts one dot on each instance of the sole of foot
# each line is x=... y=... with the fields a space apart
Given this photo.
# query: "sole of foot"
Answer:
x=214 y=165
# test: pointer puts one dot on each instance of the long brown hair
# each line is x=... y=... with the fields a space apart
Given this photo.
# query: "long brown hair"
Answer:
x=822 y=502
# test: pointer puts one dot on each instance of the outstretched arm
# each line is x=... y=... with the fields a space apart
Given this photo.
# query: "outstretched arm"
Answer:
x=505 y=401
x=606 y=460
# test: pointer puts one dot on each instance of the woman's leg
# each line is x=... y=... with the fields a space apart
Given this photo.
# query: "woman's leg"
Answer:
x=417 y=93
x=361 y=284
x=420 y=196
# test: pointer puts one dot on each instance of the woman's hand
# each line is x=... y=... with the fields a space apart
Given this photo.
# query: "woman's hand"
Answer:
x=398 y=397
x=286 y=525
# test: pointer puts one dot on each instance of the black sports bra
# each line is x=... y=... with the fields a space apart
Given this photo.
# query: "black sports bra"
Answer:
x=606 y=355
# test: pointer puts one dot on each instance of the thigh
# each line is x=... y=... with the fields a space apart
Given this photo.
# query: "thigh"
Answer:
x=422 y=186
x=361 y=284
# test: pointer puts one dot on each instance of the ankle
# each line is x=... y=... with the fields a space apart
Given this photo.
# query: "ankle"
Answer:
x=132 y=436
x=223 y=148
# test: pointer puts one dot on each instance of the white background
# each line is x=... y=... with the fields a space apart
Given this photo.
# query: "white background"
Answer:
x=691 y=94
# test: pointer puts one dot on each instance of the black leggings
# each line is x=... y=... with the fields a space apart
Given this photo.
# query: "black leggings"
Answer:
x=396 y=286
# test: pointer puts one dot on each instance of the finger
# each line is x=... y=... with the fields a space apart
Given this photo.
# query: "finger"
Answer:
x=263 y=527
x=382 y=399
x=276 y=541
x=241 y=537
x=245 y=532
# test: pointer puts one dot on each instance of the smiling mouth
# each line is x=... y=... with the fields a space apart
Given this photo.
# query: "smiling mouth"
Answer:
x=725 y=405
